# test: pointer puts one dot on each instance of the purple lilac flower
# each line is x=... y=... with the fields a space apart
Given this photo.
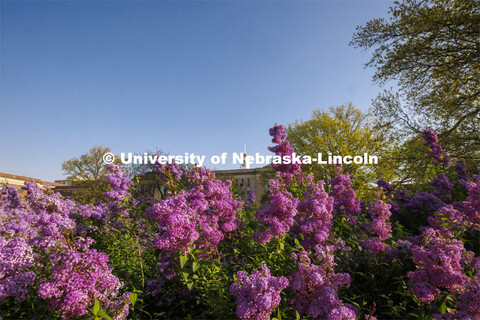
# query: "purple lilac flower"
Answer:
x=79 y=276
x=278 y=133
x=258 y=295
x=375 y=245
x=344 y=195
x=462 y=175
x=439 y=266
x=385 y=186
x=342 y=313
x=201 y=215
x=469 y=301
x=436 y=150
x=442 y=186
x=277 y=216
x=119 y=181
x=471 y=206
x=250 y=197
x=380 y=214
x=9 y=198
x=316 y=286
x=45 y=220
x=446 y=220
x=177 y=222
x=469 y=210
x=16 y=257
x=421 y=204
x=314 y=218
x=283 y=148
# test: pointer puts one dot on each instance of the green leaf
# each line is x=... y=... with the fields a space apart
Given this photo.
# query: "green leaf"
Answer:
x=297 y=242
x=133 y=298
x=195 y=266
x=190 y=285
x=297 y=315
x=443 y=307
x=104 y=315
x=183 y=260
x=96 y=307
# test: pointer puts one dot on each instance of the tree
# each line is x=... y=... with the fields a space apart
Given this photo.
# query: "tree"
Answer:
x=87 y=174
x=431 y=48
x=344 y=130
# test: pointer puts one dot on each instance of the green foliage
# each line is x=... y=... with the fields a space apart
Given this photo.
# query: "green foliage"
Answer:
x=345 y=130
x=430 y=48
x=87 y=172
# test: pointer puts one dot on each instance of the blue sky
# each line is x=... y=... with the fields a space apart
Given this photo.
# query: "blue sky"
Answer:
x=202 y=77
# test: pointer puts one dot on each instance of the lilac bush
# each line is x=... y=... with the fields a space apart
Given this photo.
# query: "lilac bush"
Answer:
x=39 y=249
x=329 y=255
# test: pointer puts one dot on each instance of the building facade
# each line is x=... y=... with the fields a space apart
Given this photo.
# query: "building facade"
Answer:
x=19 y=181
x=245 y=180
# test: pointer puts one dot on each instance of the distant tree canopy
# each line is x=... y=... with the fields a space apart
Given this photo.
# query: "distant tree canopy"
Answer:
x=87 y=173
x=344 y=130
x=431 y=49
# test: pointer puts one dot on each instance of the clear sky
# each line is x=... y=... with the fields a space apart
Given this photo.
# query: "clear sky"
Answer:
x=204 y=77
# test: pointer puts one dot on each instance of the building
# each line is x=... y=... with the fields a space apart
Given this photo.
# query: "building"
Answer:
x=246 y=179
x=66 y=188
x=19 y=181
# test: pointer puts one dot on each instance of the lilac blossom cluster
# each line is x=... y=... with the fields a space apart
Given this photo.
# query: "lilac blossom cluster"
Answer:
x=462 y=175
x=283 y=148
x=442 y=187
x=436 y=150
x=200 y=216
x=380 y=214
x=385 y=186
x=119 y=181
x=258 y=295
x=16 y=258
x=460 y=214
x=79 y=275
x=471 y=206
x=345 y=197
x=439 y=266
x=42 y=219
x=314 y=218
x=41 y=228
x=316 y=286
x=375 y=245
x=443 y=264
x=277 y=216
x=420 y=204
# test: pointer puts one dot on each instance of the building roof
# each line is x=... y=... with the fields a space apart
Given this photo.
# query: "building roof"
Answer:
x=24 y=178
